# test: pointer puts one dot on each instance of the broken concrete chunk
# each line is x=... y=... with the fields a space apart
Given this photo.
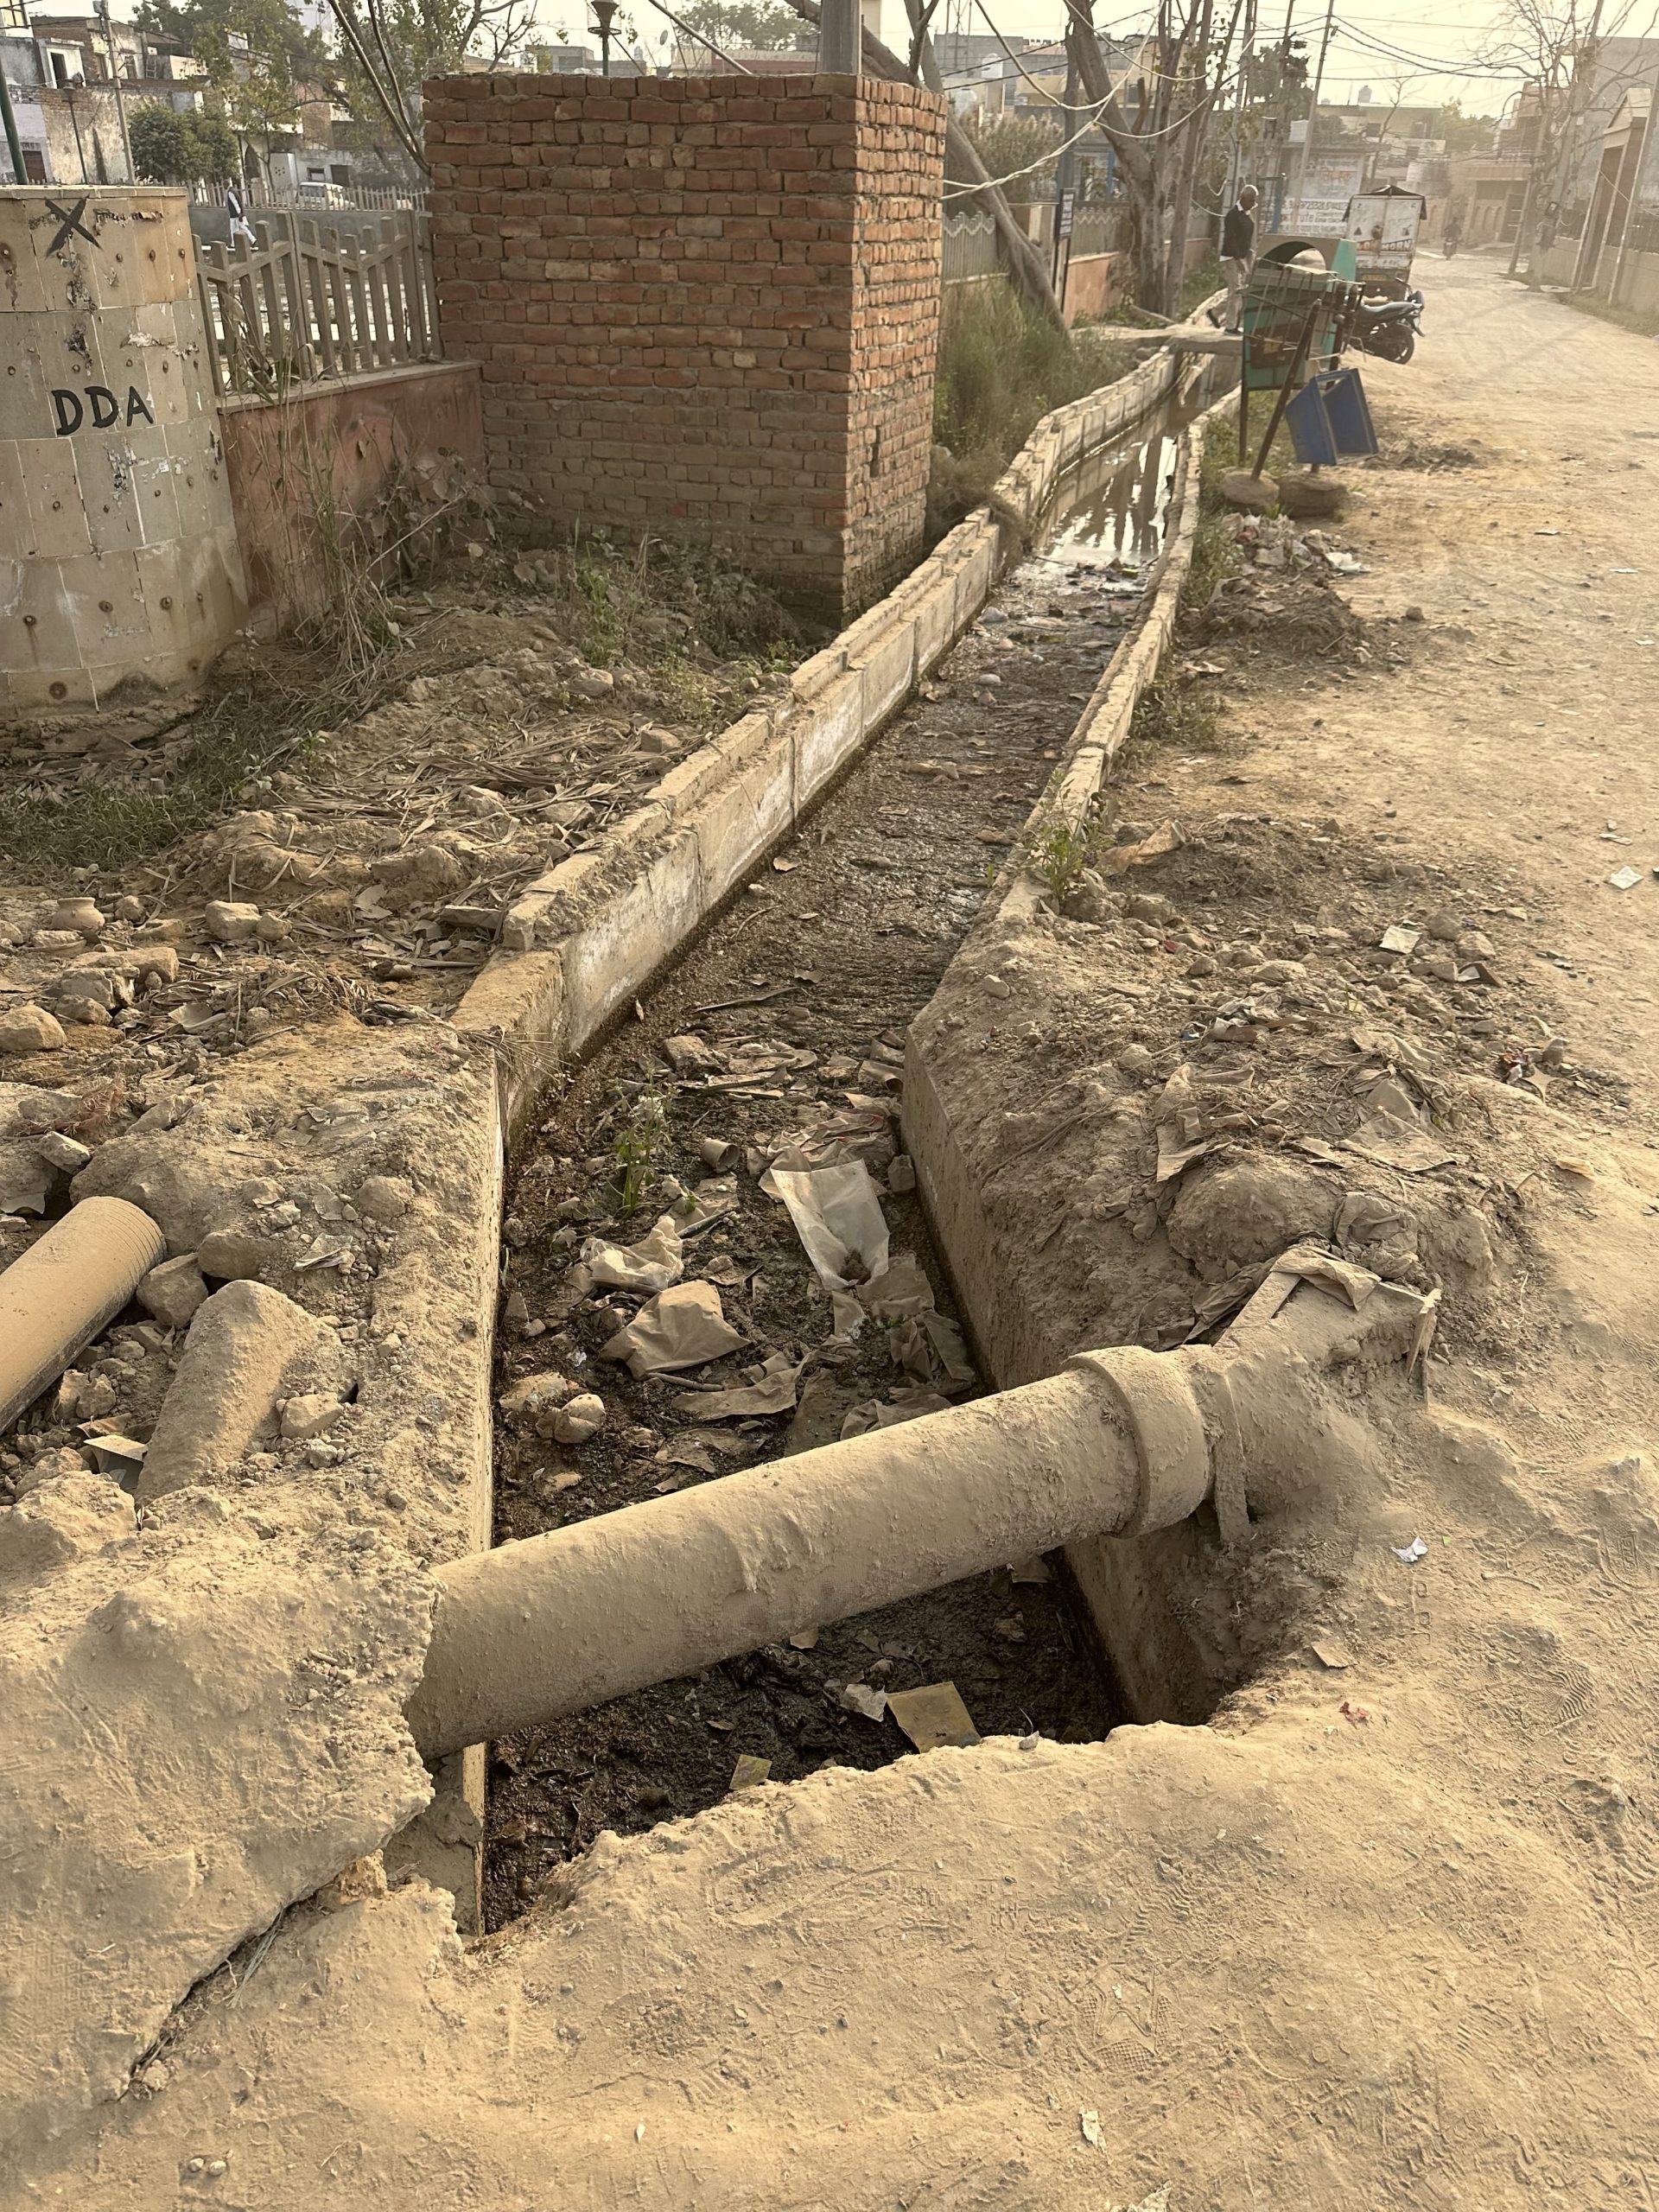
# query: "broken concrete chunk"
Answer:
x=534 y=1395
x=63 y=1152
x=235 y=1256
x=232 y=921
x=25 y=1179
x=29 y=1029
x=313 y=1413
x=383 y=1199
x=68 y=1514
x=156 y=964
x=582 y=1418
x=688 y=1055
x=174 y=1291
x=83 y=1397
x=240 y=1348
x=50 y=1109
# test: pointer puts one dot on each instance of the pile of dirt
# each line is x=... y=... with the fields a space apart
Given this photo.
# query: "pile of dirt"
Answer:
x=1430 y=454
x=1282 y=598
x=217 y=1708
x=487 y=745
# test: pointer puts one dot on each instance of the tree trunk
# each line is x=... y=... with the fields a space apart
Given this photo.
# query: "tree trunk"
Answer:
x=1140 y=161
x=1192 y=151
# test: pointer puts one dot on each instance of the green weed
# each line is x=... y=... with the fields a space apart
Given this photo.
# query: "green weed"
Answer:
x=635 y=1149
x=1060 y=852
x=1178 y=711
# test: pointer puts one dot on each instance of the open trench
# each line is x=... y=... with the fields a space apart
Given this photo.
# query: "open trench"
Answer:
x=784 y=1027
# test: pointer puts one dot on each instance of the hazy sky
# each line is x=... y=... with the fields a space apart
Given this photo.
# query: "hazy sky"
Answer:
x=1441 y=36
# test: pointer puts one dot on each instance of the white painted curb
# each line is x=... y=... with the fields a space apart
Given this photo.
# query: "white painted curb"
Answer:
x=583 y=940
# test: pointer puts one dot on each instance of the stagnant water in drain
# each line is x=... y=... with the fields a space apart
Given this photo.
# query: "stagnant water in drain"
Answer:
x=801 y=994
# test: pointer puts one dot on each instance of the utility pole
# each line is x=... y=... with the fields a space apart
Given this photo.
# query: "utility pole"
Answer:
x=840 y=38
x=10 y=121
x=1284 y=114
x=1235 y=166
x=103 y=9
x=1065 y=185
x=1314 y=108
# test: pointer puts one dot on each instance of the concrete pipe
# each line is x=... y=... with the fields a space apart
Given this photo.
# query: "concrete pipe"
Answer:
x=558 y=1623
x=66 y=1287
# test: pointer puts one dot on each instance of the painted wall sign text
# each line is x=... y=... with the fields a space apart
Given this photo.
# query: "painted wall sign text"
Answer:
x=102 y=411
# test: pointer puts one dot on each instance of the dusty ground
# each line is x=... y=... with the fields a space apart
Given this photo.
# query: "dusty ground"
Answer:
x=1386 y=1933
x=369 y=804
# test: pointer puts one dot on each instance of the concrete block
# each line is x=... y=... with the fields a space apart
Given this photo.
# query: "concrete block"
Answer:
x=887 y=666
x=737 y=823
x=825 y=735
x=629 y=937
x=240 y=1347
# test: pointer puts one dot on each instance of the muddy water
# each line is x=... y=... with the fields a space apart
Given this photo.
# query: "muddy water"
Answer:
x=800 y=995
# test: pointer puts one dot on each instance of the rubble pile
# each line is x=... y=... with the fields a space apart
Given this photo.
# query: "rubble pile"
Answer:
x=1282 y=596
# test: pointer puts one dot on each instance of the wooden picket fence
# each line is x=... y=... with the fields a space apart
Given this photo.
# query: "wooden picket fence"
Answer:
x=317 y=299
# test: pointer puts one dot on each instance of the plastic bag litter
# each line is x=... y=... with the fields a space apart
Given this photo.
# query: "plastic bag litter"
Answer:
x=653 y=1264
x=906 y=1404
x=931 y=1350
x=858 y=1697
x=772 y=1392
x=900 y=1290
x=680 y=1327
x=838 y=1218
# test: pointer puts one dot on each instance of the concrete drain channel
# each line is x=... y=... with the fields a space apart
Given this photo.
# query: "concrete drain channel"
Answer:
x=777 y=1045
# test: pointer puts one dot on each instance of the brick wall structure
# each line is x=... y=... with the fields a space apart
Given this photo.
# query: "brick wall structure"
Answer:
x=702 y=306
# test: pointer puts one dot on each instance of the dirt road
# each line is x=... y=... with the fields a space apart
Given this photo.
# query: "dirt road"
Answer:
x=1524 y=728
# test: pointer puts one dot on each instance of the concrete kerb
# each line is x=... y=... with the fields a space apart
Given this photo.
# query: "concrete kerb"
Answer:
x=583 y=940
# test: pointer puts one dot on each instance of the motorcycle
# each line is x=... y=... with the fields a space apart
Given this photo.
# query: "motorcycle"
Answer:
x=1388 y=328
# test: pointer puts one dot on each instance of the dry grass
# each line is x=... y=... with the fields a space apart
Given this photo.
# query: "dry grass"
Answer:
x=1001 y=369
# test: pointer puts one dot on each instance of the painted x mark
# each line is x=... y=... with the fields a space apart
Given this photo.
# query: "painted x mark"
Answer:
x=73 y=226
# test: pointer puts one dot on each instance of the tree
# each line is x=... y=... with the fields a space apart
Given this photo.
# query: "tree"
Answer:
x=752 y=26
x=157 y=136
x=388 y=48
x=192 y=148
x=1465 y=134
x=1159 y=149
x=1011 y=142
x=1553 y=45
x=256 y=54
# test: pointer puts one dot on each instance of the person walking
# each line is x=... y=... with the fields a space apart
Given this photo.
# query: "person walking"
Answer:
x=1237 y=255
x=240 y=227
